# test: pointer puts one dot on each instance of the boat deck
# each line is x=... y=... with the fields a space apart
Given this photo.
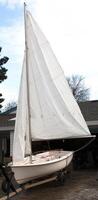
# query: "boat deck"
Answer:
x=45 y=157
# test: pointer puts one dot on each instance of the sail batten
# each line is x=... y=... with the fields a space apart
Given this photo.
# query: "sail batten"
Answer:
x=54 y=113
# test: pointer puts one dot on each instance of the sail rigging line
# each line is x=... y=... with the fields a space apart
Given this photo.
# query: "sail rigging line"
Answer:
x=48 y=145
x=84 y=146
x=27 y=82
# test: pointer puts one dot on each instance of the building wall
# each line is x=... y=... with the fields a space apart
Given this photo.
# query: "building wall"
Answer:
x=4 y=144
x=11 y=142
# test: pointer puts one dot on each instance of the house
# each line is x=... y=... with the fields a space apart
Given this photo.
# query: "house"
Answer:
x=89 y=110
x=7 y=131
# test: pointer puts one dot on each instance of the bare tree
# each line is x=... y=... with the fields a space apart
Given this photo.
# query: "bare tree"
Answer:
x=10 y=105
x=3 y=72
x=80 y=92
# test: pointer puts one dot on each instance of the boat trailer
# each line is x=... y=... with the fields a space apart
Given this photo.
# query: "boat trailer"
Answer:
x=10 y=187
x=9 y=184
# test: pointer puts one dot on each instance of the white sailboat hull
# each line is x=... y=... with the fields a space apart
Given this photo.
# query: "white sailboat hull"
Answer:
x=42 y=165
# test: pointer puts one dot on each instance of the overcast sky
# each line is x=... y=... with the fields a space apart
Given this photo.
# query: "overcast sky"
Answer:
x=71 y=28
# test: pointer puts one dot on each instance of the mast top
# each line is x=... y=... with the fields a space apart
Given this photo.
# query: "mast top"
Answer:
x=25 y=4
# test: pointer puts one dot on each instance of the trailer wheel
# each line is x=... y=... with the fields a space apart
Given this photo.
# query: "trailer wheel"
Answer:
x=61 y=178
x=5 y=186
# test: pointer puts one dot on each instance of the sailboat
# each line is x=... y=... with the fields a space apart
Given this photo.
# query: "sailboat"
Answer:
x=46 y=109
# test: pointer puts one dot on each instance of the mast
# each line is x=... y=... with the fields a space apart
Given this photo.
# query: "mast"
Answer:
x=27 y=81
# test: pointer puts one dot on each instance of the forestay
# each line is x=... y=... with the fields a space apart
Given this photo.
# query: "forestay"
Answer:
x=54 y=113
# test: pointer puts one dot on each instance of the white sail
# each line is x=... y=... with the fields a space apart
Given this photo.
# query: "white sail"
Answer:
x=21 y=144
x=54 y=113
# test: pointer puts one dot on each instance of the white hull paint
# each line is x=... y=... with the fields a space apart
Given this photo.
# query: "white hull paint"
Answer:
x=42 y=165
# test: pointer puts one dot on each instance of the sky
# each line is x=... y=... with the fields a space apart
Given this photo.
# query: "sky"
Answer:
x=70 y=26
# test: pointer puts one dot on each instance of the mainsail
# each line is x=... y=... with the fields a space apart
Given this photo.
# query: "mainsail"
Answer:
x=54 y=113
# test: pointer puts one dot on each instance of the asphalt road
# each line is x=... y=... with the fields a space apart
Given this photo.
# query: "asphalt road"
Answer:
x=79 y=185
